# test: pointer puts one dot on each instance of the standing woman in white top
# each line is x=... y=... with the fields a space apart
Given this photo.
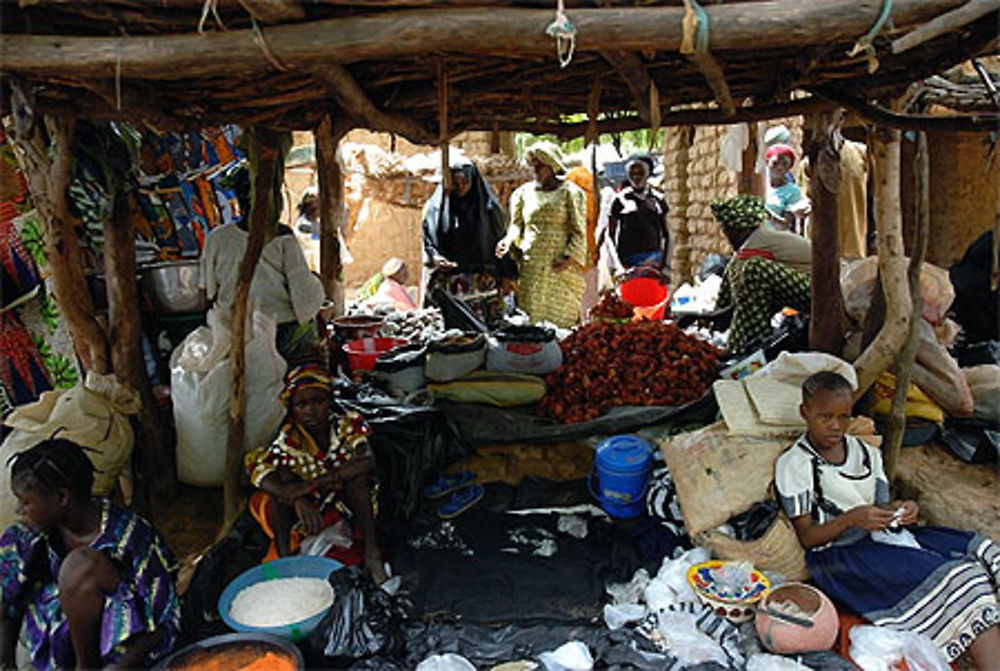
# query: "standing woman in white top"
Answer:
x=283 y=287
x=868 y=553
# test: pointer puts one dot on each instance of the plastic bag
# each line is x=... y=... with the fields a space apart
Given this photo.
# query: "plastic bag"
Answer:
x=362 y=622
x=631 y=591
x=880 y=649
x=671 y=586
x=446 y=662
x=766 y=662
x=794 y=368
x=687 y=643
x=617 y=616
x=572 y=656
x=524 y=349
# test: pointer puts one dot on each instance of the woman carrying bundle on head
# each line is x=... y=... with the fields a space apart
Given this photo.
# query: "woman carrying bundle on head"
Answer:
x=318 y=472
x=86 y=583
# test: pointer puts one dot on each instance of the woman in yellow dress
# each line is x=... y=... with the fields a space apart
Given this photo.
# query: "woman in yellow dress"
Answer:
x=548 y=228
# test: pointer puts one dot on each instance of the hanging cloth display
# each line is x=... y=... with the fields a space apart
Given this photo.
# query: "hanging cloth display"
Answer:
x=563 y=30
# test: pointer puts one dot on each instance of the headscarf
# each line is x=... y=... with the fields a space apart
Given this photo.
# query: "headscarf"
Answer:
x=777 y=135
x=740 y=213
x=392 y=266
x=549 y=154
x=306 y=376
x=781 y=150
x=464 y=229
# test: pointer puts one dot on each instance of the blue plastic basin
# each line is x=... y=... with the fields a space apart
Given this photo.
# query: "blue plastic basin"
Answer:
x=286 y=567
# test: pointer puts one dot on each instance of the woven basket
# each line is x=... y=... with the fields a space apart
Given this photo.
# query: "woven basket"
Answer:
x=777 y=550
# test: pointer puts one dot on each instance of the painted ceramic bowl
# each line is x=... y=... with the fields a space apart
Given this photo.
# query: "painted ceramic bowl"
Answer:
x=736 y=605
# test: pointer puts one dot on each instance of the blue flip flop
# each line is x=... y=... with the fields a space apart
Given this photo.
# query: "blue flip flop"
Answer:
x=462 y=500
x=448 y=483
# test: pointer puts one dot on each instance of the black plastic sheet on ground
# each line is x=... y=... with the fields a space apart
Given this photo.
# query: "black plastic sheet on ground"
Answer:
x=481 y=425
x=491 y=567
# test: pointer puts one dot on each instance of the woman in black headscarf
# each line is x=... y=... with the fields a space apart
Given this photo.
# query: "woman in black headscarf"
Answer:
x=461 y=232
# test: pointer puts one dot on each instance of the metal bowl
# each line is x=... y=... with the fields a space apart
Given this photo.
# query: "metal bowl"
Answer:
x=174 y=286
x=217 y=644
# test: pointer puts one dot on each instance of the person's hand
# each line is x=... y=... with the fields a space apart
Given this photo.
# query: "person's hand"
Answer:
x=329 y=482
x=312 y=521
x=445 y=264
x=869 y=518
x=910 y=512
x=502 y=248
x=561 y=264
x=293 y=490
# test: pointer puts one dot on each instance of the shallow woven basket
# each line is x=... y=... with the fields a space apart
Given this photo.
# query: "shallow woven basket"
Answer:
x=777 y=550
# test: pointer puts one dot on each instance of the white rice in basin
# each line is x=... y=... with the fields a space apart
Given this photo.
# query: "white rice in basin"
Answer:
x=281 y=601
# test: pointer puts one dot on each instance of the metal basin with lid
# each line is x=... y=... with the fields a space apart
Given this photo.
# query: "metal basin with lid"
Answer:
x=174 y=286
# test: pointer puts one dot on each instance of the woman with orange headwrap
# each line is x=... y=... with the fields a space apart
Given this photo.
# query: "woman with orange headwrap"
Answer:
x=317 y=473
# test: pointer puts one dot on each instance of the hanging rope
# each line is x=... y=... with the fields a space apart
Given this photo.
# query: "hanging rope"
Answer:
x=565 y=33
x=213 y=7
x=865 y=43
x=261 y=41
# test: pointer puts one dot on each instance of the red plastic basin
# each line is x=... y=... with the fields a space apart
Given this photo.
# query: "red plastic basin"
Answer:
x=648 y=295
x=361 y=353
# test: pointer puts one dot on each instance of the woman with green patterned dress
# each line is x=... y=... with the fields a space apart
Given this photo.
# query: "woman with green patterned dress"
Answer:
x=548 y=229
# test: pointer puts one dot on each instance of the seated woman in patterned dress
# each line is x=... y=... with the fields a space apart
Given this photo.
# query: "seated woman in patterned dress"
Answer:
x=316 y=474
x=86 y=583
x=868 y=553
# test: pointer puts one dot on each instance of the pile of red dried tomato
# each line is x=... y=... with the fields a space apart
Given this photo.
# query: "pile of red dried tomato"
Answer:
x=639 y=363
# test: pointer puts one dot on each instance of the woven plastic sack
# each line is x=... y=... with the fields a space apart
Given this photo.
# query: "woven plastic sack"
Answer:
x=984 y=382
x=777 y=550
x=858 y=285
x=918 y=404
x=489 y=388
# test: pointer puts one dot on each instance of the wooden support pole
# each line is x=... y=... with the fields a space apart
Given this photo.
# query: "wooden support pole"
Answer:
x=879 y=355
x=501 y=31
x=331 y=210
x=826 y=326
x=274 y=11
x=903 y=366
x=48 y=176
x=750 y=181
x=443 y=137
x=264 y=155
x=152 y=447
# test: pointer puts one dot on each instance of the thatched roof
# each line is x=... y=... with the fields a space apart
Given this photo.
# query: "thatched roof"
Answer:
x=379 y=63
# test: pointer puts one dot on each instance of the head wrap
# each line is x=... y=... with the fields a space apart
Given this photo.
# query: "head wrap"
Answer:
x=306 y=376
x=777 y=135
x=645 y=159
x=741 y=213
x=547 y=153
x=781 y=150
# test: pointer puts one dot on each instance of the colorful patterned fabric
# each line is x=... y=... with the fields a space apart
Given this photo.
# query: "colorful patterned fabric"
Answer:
x=547 y=226
x=306 y=376
x=22 y=369
x=757 y=288
x=18 y=273
x=334 y=512
x=740 y=212
x=294 y=449
x=145 y=600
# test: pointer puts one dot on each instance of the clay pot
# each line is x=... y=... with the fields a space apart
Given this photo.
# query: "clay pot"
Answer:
x=785 y=638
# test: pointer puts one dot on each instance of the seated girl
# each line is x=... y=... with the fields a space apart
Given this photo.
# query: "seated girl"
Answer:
x=86 y=583
x=318 y=459
x=865 y=552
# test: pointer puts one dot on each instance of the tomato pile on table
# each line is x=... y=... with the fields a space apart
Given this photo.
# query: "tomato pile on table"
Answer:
x=639 y=363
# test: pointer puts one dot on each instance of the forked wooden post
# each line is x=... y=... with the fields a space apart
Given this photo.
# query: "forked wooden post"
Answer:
x=904 y=364
x=264 y=157
x=331 y=205
x=826 y=332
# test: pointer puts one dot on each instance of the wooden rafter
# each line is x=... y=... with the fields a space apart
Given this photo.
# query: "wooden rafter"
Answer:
x=274 y=11
x=632 y=71
x=502 y=31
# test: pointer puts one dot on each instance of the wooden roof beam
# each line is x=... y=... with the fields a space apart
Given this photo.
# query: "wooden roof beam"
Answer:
x=353 y=100
x=716 y=80
x=632 y=70
x=947 y=22
x=972 y=123
x=513 y=32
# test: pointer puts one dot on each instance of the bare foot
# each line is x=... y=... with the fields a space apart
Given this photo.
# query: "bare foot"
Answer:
x=373 y=562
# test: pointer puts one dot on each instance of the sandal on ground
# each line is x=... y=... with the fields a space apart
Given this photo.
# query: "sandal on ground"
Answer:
x=461 y=501
x=448 y=483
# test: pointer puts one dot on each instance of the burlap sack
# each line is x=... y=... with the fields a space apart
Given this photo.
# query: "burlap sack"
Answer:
x=718 y=475
x=777 y=550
